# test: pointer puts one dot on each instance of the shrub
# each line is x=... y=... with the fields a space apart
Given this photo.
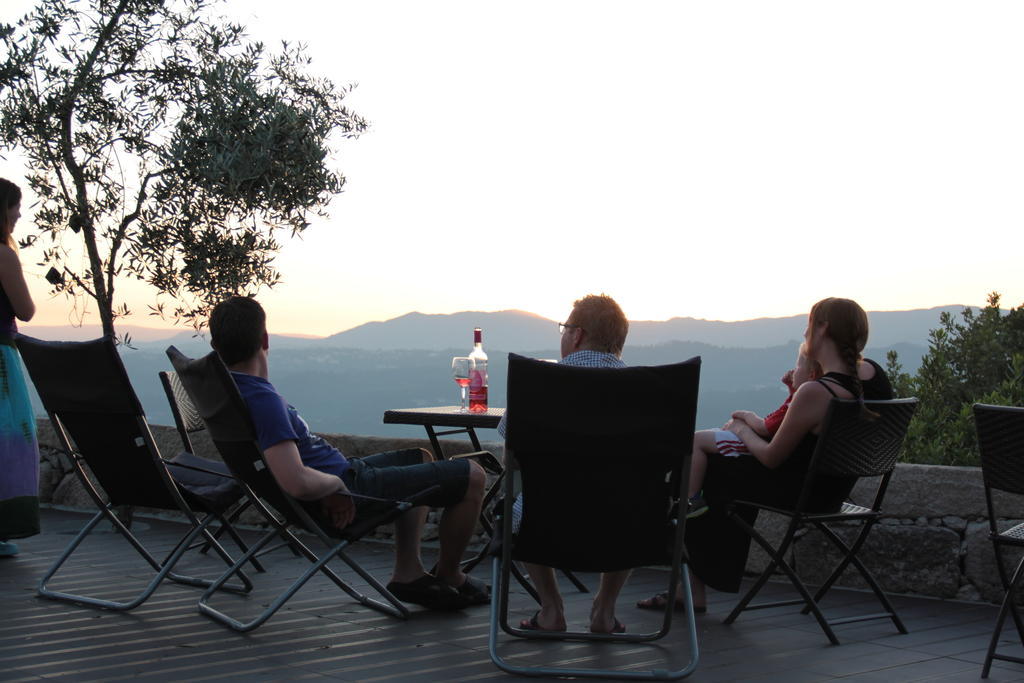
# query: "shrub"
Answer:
x=977 y=359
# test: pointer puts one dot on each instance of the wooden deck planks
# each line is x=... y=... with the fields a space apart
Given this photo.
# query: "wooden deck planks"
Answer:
x=321 y=634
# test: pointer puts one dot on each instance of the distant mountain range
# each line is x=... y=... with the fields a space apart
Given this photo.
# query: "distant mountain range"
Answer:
x=345 y=382
x=515 y=330
x=523 y=332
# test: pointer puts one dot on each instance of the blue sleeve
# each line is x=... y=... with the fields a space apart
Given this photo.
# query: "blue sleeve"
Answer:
x=269 y=415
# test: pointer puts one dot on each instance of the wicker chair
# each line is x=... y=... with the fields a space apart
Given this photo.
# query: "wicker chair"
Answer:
x=851 y=444
x=1001 y=444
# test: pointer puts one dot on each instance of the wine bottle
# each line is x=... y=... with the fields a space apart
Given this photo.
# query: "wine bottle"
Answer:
x=478 y=377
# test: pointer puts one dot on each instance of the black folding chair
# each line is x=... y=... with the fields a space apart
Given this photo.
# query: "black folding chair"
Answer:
x=214 y=394
x=854 y=442
x=103 y=431
x=188 y=423
x=594 y=449
x=1001 y=444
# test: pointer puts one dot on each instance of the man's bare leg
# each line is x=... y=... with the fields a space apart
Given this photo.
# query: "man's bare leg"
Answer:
x=457 y=525
x=551 y=616
x=408 y=532
x=602 y=614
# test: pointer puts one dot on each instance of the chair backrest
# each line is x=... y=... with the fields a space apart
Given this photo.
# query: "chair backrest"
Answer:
x=186 y=417
x=95 y=412
x=857 y=440
x=862 y=442
x=594 y=447
x=213 y=393
x=1001 y=445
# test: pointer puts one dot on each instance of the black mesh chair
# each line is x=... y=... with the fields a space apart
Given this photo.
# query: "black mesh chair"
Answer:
x=853 y=443
x=1001 y=444
x=578 y=438
x=102 y=430
x=188 y=423
x=186 y=418
x=215 y=396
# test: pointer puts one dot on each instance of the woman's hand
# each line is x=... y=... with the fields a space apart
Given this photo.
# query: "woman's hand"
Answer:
x=739 y=428
x=752 y=420
x=743 y=415
x=804 y=417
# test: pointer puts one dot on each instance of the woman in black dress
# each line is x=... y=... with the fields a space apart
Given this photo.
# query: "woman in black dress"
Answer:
x=837 y=331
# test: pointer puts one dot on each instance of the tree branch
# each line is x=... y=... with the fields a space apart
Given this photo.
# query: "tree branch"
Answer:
x=122 y=229
x=103 y=295
x=81 y=283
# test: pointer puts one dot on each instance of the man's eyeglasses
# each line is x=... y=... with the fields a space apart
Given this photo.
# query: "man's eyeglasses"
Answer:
x=562 y=327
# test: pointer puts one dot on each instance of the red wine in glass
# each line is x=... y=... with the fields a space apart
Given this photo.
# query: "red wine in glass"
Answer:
x=462 y=372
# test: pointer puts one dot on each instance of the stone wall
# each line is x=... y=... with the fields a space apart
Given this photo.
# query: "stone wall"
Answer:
x=933 y=541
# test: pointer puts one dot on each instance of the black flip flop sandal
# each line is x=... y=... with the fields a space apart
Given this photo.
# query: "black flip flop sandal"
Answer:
x=658 y=601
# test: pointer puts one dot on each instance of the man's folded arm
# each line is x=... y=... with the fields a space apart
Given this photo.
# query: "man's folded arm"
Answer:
x=299 y=481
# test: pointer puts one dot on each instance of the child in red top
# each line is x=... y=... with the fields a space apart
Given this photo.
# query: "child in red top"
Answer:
x=726 y=443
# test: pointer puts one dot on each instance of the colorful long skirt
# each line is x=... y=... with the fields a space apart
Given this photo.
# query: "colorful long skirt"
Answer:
x=19 y=451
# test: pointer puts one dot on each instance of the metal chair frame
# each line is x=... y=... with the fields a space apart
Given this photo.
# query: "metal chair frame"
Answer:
x=42 y=359
x=504 y=551
x=213 y=392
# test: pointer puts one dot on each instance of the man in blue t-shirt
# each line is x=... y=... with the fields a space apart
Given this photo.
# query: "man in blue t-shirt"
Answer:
x=309 y=468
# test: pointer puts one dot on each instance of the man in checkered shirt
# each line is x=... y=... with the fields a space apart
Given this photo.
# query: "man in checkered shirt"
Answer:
x=592 y=336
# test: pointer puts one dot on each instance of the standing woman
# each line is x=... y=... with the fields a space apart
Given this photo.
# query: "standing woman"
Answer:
x=19 y=453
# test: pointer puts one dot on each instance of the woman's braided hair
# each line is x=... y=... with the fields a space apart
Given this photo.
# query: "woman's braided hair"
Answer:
x=848 y=329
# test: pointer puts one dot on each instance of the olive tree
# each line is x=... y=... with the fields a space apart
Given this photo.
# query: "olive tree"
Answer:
x=164 y=145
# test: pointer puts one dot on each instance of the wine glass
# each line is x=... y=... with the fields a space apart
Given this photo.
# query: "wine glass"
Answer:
x=462 y=370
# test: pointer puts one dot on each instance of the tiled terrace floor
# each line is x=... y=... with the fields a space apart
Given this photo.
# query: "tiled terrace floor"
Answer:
x=321 y=634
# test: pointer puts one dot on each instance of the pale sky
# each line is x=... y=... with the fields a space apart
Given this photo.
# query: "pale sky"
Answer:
x=722 y=160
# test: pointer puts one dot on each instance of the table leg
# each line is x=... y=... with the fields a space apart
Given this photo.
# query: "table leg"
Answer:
x=472 y=439
x=434 y=443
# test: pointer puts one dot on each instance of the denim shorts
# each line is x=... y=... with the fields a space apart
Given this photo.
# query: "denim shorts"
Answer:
x=397 y=475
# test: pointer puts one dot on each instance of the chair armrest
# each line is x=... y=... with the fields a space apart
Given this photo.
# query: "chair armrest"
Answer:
x=171 y=463
x=363 y=525
x=485 y=458
x=403 y=504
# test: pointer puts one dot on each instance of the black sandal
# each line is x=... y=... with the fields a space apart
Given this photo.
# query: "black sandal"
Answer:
x=658 y=600
x=474 y=591
x=532 y=624
x=428 y=591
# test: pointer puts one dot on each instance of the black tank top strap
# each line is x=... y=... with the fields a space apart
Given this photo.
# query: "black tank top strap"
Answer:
x=825 y=384
x=838 y=378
